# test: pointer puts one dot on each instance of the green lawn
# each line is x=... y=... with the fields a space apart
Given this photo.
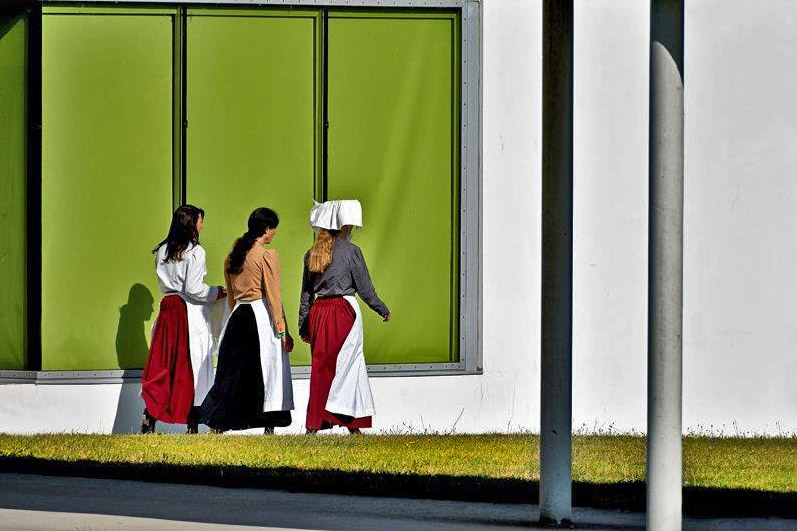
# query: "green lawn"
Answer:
x=760 y=463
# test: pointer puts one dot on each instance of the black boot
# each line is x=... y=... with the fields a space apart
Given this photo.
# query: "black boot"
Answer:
x=147 y=422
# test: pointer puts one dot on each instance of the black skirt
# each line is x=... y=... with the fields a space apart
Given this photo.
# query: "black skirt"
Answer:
x=235 y=402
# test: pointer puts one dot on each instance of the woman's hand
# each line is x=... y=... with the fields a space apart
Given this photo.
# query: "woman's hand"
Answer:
x=287 y=343
x=386 y=318
x=221 y=293
x=306 y=339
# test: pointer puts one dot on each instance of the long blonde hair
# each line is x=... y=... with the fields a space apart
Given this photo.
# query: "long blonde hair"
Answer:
x=321 y=251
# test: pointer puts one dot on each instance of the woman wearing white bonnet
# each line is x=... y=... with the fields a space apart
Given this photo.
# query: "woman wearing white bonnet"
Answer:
x=330 y=319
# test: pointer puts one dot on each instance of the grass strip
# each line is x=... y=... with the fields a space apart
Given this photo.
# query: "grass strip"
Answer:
x=758 y=464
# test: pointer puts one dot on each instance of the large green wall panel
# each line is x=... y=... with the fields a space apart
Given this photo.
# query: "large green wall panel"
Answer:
x=106 y=184
x=252 y=103
x=393 y=144
x=13 y=147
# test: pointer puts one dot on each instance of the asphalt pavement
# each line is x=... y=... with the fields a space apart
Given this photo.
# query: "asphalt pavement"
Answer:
x=34 y=502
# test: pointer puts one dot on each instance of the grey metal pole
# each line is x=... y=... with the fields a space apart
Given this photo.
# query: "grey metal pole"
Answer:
x=665 y=265
x=557 y=262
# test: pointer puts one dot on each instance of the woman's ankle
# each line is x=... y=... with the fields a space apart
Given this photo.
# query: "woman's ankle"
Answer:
x=193 y=420
x=147 y=422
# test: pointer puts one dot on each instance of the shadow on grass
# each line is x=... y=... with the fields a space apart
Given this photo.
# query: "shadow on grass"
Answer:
x=630 y=496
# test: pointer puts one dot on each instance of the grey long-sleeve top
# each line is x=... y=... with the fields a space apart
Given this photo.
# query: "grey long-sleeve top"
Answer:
x=346 y=275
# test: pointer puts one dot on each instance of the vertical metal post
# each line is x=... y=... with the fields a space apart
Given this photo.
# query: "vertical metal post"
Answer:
x=665 y=265
x=33 y=188
x=179 y=116
x=557 y=262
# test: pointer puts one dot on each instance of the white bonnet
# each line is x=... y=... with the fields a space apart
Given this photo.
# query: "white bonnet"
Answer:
x=333 y=215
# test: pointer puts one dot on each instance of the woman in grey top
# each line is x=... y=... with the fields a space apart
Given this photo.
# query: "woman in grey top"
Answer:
x=330 y=320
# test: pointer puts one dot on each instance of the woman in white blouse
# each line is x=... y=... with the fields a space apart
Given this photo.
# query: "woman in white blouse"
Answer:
x=179 y=368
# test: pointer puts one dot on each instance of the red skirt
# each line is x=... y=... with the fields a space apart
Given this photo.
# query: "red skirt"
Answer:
x=167 y=384
x=330 y=323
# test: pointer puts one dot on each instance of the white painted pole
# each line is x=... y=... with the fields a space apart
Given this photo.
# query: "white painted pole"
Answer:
x=665 y=266
x=557 y=262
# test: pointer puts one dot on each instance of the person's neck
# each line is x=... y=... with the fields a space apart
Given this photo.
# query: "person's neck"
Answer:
x=261 y=240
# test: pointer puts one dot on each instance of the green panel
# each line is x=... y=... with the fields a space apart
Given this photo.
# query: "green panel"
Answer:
x=13 y=146
x=252 y=136
x=106 y=184
x=393 y=144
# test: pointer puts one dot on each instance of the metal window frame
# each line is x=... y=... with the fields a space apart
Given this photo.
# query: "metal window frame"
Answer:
x=30 y=353
x=470 y=203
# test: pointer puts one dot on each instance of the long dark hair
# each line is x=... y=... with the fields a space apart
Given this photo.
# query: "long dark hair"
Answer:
x=182 y=232
x=260 y=220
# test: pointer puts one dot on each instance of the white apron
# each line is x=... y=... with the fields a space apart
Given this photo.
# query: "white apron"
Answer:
x=200 y=341
x=274 y=361
x=350 y=393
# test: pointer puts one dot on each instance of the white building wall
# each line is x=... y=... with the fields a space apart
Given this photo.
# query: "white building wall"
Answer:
x=740 y=311
x=741 y=212
x=610 y=215
x=740 y=295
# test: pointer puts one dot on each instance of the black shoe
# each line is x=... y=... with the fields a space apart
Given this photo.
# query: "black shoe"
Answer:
x=268 y=430
x=193 y=421
x=147 y=423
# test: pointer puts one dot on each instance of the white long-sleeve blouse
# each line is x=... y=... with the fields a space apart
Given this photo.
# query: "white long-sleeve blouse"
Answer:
x=185 y=277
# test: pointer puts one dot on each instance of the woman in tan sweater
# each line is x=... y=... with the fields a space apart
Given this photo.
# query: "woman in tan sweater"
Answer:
x=253 y=385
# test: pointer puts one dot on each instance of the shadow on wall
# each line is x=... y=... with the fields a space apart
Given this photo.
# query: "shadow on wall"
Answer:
x=131 y=353
x=132 y=347
x=131 y=340
x=128 y=409
x=7 y=23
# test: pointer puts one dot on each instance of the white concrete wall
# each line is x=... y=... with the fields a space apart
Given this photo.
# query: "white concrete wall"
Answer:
x=740 y=315
x=741 y=213
x=610 y=215
x=741 y=297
